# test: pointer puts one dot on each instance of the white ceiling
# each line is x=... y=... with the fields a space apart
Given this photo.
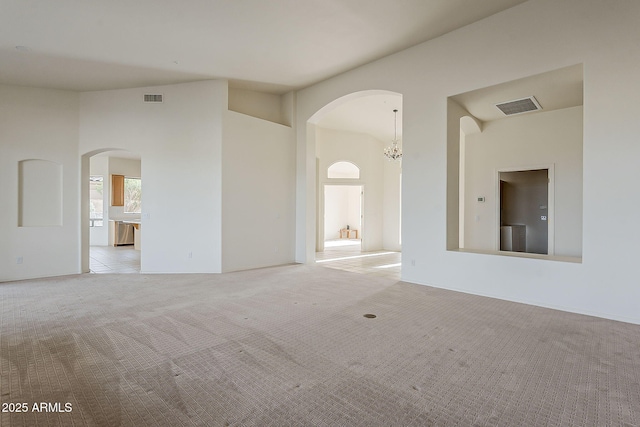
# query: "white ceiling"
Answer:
x=553 y=90
x=372 y=115
x=273 y=46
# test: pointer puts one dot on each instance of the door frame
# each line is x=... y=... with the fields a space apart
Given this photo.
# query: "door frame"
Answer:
x=550 y=167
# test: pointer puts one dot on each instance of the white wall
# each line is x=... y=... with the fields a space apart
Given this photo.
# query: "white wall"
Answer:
x=526 y=141
x=341 y=208
x=38 y=124
x=336 y=210
x=180 y=143
x=99 y=166
x=198 y=214
x=266 y=106
x=391 y=203
x=528 y=39
x=353 y=207
x=258 y=193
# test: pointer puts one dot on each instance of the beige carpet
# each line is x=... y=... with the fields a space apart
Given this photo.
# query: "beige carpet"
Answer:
x=290 y=346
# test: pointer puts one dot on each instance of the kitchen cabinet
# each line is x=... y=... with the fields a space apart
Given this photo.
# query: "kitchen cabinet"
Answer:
x=117 y=190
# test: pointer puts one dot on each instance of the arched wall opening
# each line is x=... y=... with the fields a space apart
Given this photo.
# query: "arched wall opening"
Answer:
x=514 y=181
x=100 y=166
x=355 y=129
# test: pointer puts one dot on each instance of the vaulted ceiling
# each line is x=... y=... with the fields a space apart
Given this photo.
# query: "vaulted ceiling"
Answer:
x=273 y=46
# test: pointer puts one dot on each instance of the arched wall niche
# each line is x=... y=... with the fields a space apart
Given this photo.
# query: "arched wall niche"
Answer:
x=39 y=193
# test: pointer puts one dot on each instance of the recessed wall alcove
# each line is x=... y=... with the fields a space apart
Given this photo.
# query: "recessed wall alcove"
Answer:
x=484 y=141
x=39 y=193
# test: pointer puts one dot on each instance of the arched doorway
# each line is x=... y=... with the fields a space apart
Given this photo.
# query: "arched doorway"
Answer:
x=355 y=130
x=340 y=204
x=111 y=211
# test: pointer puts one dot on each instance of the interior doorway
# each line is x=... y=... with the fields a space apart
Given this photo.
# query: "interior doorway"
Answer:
x=343 y=215
x=111 y=223
x=525 y=211
x=342 y=232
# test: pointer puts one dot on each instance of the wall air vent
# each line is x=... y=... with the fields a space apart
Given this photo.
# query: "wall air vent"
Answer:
x=519 y=106
x=152 y=97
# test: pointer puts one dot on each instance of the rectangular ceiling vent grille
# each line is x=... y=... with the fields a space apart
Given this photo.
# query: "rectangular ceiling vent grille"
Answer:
x=152 y=97
x=519 y=106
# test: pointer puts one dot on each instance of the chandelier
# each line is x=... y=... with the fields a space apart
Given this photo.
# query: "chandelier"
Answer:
x=393 y=152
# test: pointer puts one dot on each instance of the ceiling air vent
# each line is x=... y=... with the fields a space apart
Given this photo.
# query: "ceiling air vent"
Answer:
x=152 y=98
x=519 y=106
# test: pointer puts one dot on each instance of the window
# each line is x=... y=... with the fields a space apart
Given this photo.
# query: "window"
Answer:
x=343 y=170
x=96 y=201
x=132 y=195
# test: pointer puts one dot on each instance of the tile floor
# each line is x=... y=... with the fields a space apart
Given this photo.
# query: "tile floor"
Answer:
x=110 y=259
x=339 y=254
x=347 y=255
